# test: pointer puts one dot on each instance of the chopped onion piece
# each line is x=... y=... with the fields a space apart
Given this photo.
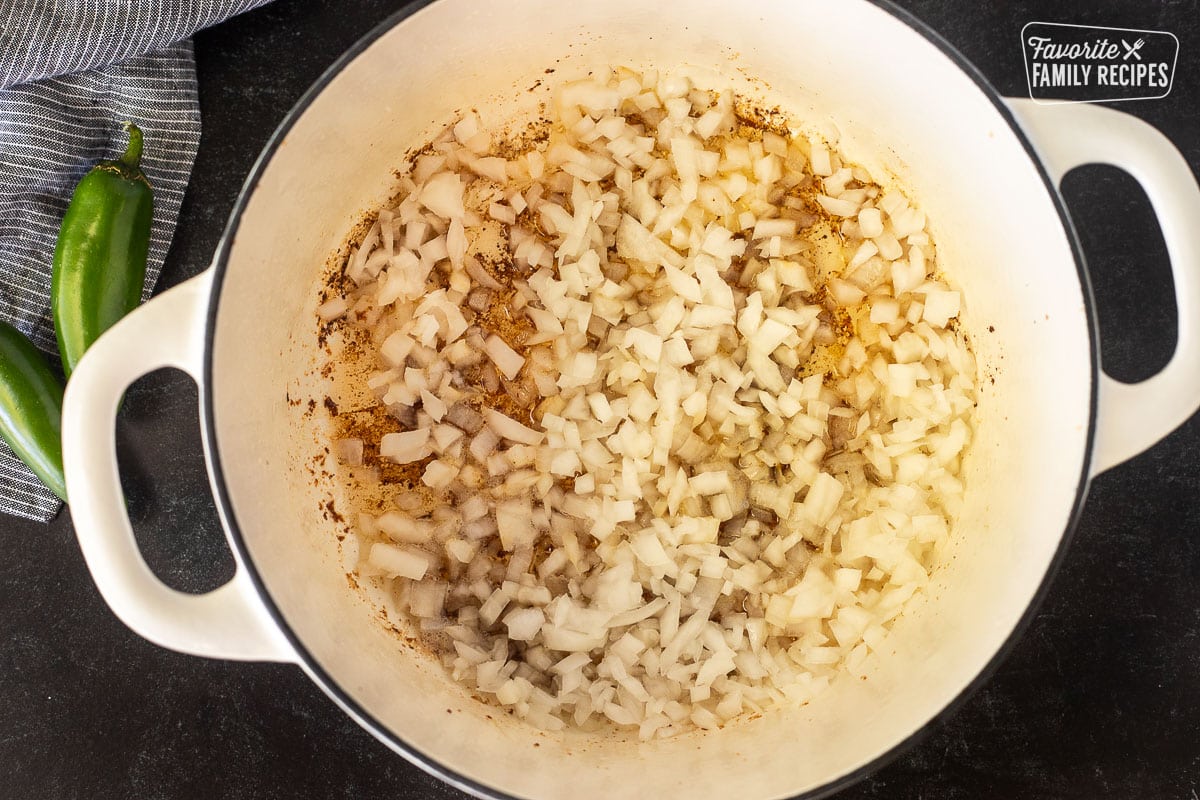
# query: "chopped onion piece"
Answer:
x=524 y=623
x=507 y=360
x=484 y=444
x=508 y=428
x=333 y=308
x=443 y=195
x=401 y=527
x=434 y=406
x=403 y=562
x=438 y=475
x=404 y=448
x=940 y=307
x=349 y=451
x=481 y=275
x=427 y=599
x=514 y=520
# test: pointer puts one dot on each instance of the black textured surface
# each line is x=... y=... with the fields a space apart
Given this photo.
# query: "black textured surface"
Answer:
x=1100 y=698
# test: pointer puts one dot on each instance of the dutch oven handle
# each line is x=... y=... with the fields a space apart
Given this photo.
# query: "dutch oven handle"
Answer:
x=1133 y=416
x=228 y=622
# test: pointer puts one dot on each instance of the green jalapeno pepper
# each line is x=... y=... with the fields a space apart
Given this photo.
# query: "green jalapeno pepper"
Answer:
x=31 y=398
x=100 y=258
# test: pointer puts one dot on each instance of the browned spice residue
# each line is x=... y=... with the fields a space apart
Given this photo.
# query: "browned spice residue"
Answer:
x=331 y=512
x=533 y=136
x=843 y=325
x=753 y=119
x=498 y=318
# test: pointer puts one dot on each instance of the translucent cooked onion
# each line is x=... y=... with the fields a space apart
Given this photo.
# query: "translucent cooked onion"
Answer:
x=508 y=428
x=684 y=409
x=405 y=447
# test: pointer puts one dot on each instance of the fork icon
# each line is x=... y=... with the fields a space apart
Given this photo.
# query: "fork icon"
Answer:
x=1132 y=50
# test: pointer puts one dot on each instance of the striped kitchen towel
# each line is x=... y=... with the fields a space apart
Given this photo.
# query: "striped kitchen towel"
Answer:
x=70 y=74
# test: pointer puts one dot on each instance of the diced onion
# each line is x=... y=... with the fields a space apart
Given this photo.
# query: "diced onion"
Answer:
x=333 y=308
x=402 y=562
x=507 y=360
x=685 y=410
x=349 y=452
x=405 y=447
x=508 y=428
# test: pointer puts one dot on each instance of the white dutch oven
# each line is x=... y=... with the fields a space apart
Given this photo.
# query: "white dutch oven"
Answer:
x=985 y=170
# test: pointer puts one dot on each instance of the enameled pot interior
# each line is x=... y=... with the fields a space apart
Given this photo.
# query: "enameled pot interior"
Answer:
x=905 y=109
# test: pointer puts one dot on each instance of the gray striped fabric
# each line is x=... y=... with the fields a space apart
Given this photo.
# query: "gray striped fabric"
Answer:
x=71 y=71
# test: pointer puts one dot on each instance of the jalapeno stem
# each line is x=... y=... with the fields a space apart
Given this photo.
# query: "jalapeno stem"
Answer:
x=132 y=156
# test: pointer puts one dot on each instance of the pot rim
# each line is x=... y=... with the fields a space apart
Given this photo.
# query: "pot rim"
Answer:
x=429 y=764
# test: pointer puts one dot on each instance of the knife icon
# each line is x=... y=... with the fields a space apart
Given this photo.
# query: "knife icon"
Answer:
x=1132 y=49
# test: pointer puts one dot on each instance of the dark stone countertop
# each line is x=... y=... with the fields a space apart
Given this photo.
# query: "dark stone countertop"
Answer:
x=1099 y=698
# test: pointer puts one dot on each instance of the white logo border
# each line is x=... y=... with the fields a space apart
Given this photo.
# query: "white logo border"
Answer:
x=1046 y=102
